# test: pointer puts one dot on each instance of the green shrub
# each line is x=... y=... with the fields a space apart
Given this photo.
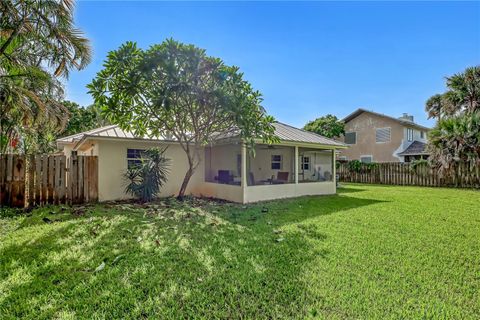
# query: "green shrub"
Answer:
x=145 y=179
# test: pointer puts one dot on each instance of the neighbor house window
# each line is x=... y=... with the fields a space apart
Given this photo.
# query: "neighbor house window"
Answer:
x=366 y=159
x=342 y=158
x=134 y=157
x=305 y=163
x=276 y=162
x=409 y=134
x=350 y=137
x=382 y=135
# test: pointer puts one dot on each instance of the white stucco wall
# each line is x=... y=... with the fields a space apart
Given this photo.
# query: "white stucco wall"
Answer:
x=289 y=190
x=112 y=162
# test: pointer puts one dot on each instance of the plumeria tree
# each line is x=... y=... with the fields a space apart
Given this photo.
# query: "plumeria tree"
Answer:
x=176 y=90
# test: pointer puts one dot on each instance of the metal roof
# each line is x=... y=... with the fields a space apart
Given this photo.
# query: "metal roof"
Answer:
x=415 y=148
x=283 y=131
x=359 y=111
x=289 y=133
x=112 y=131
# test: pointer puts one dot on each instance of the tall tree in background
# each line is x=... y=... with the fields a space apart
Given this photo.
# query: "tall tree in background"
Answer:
x=82 y=119
x=42 y=140
x=462 y=95
x=328 y=126
x=175 y=90
x=38 y=46
x=455 y=139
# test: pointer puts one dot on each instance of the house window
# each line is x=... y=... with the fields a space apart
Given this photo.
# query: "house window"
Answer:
x=134 y=157
x=366 y=159
x=305 y=163
x=409 y=134
x=276 y=162
x=350 y=137
x=422 y=134
x=382 y=135
x=342 y=158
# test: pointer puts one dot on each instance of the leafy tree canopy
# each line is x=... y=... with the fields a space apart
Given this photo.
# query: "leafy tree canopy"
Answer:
x=328 y=126
x=82 y=118
x=175 y=90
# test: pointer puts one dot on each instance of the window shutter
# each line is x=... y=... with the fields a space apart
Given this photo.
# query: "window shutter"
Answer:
x=350 y=137
x=382 y=135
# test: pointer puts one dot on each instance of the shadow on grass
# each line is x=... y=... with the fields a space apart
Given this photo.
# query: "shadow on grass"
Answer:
x=295 y=210
x=224 y=261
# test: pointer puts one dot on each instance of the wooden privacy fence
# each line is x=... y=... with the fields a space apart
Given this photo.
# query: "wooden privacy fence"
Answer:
x=47 y=179
x=395 y=173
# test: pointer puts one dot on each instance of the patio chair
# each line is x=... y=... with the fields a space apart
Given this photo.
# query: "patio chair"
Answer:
x=328 y=176
x=224 y=177
x=282 y=177
x=251 y=179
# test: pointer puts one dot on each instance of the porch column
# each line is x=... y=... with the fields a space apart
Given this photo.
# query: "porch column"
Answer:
x=334 y=167
x=244 y=167
x=296 y=165
x=243 y=179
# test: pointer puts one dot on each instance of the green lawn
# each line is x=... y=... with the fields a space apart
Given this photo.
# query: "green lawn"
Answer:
x=369 y=252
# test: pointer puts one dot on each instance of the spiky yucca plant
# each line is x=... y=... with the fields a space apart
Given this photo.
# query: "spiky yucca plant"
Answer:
x=145 y=180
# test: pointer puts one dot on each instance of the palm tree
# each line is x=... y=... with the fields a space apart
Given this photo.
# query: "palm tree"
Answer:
x=464 y=93
x=462 y=96
x=434 y=106
x=454 y=142
x=38 y=46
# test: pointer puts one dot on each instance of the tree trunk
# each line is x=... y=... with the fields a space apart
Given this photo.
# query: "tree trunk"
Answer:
x=186 y=179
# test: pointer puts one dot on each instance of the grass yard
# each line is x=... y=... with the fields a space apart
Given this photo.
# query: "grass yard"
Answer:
x=369 y=252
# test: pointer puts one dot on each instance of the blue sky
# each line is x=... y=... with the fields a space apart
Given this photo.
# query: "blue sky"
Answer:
x=308 y=59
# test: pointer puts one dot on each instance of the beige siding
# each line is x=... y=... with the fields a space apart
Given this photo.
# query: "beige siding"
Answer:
x=365 y=126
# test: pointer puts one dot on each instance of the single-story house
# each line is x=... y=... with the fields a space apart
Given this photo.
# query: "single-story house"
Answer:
x=302 y=163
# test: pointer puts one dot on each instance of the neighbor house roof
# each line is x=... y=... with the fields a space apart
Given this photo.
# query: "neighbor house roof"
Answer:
x=414 y=149
x=283 y=131
x=359 y=111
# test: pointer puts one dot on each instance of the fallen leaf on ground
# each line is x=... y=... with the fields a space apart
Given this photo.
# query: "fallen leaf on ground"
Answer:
x=100 y=267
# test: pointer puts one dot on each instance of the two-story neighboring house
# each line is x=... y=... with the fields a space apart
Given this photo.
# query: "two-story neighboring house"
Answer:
x=375 y=137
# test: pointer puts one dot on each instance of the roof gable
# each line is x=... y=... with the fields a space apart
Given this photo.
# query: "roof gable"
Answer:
x=407 y=123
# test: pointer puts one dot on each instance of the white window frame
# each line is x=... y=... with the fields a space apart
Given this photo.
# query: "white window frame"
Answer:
x=132 y=160
x=410 y=134
x=342 y=158
x=389 y=135
x=366 y=156
x=422 y=134
x=355 y=137
x=307 y=163
x=280 y=162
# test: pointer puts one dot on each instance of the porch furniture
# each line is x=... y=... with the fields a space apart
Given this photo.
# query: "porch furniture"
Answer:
x=328 y=176
x=225 y=177
x=251 y=179
x=282 y=177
